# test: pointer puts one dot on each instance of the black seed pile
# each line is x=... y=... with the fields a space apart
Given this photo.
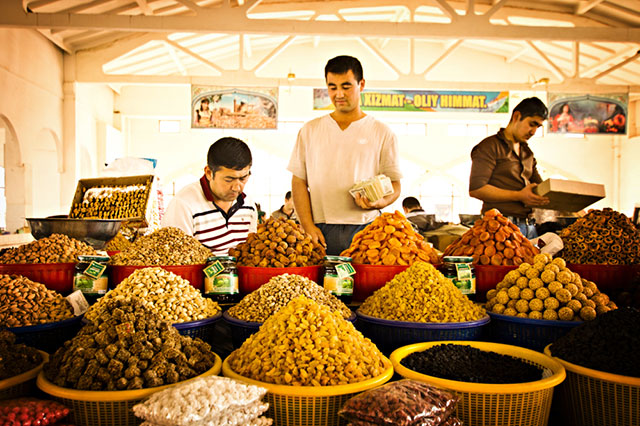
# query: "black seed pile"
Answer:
x=467 y=364
x=610 y=343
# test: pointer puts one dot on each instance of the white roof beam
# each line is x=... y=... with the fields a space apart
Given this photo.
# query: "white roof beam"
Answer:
x=57 y=40
x=584 y=6
x=380 y=55
x=194 y=55
x=85 y=6
x=517 y=55
x=550 y=64
x=576 y=59
x=447 y=9
x=611 y=58
x=442 y=57
x=620 y=65
x=144 y=7
x=174 y=57
x=497 y=5
x=192 y=5
x=267 y=59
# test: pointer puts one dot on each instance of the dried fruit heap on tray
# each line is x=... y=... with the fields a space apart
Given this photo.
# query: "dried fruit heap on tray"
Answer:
x=494 y=240
x=601 y=237
x=278 y=243
x=390 y=240
x=56 y=248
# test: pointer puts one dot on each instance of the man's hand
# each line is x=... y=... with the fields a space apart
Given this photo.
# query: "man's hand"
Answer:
x=364 y=203
x=316 y=234
x=529 y=198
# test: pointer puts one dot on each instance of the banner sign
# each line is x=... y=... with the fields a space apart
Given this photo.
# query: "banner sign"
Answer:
x=599 y=114
x=234 y=108
x=422 y=100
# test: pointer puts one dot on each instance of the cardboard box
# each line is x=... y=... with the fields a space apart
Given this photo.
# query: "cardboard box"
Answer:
x=569 y=195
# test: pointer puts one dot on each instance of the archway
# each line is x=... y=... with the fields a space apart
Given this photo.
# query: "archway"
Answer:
x=45 y=166
x=14 y=174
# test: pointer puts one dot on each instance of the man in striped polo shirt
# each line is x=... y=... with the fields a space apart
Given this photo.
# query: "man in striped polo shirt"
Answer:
x=215 y=210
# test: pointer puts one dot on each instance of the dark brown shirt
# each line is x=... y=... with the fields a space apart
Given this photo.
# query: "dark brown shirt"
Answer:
x=494 y=162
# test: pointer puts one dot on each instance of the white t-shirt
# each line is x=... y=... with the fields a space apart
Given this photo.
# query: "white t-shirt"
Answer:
x=332 y=160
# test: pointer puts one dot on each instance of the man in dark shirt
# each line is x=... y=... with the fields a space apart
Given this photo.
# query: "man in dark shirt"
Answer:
x=503 y=169
x=415 y=214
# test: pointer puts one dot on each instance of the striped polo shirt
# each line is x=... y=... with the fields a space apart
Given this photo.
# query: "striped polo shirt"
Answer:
x=194 y=211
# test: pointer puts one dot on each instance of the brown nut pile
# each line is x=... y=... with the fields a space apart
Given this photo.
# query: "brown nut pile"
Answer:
x=421 y=294
x=117 y=243
x=164 y=293
x=16 y=358
x=24 y=302
x=493 y=240
x=112 y=202
x=260 y=304
x=166 y=246
x=56 y=248
x=128 y=347
x=602 y=237
x=548 y=290
x=390 y=240
x=278 y=243
x=305 y=344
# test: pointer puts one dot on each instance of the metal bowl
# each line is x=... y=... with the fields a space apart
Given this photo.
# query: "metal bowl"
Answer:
x=95 y=232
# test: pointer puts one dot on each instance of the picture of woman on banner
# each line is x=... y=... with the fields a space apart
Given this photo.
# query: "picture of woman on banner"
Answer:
x=564 y=120
x=202 y=116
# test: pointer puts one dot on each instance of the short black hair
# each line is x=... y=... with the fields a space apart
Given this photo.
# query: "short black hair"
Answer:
x=531 y=107
x=228 y=152
x=410 y=203
x=287 y=195
x=342 y=65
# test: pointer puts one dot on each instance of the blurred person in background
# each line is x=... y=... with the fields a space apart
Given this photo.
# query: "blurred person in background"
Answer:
x=286 y=211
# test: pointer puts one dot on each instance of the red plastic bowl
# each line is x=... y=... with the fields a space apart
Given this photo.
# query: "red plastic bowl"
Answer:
x=487 y=277
x=192 y=273
x=369 y=278
x=250 y=278
x=55 y=276
x=607 y=277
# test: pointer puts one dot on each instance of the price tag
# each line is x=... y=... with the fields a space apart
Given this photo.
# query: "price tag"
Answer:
x=344 y=270
x=95 y=270
x=78 y=302
x=214 y=269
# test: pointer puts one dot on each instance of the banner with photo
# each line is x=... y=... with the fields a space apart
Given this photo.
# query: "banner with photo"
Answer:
x=599 y=114
x=234 y=108
x=422 y=100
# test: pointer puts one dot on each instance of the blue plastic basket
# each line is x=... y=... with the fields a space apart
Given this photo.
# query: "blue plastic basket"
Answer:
x=242 y=330
x=389 y=335
x=50 y=336
x=203 y=329
x=527 y=333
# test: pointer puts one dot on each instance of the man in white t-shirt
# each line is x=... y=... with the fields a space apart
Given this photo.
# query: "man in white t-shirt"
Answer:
x=334 y=152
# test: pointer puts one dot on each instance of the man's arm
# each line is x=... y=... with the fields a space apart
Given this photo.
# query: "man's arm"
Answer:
x=363 y=202
x=302 y=203
x=490 y=193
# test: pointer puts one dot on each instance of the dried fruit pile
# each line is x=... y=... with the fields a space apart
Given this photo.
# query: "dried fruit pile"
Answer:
x=493 y=240
x=390 y=240
x=602 y=237
x=56 y=248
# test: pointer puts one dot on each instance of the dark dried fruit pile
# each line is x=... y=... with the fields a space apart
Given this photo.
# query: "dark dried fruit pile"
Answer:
x=128 y=347
x=467 y=364
x=590 y=344
x=16 y=359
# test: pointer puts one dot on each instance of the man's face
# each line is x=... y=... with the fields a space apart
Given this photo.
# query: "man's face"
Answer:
x=525 y=128
x=344 y=91
x=227 y=184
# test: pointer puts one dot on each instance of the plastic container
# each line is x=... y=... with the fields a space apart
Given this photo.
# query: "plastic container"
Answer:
x=389 y=335
x=55 y=276
x=105 y=408
x=487 y=277
x=50 y=336
x=369 y=278
x=528 y=333
x=203 y=329
x=607 y=277
x=22 y=384
x=252 y=277
x=242 y=330
x=485 y=404
x=594 y=398
x=308 y=405
x=191 y=273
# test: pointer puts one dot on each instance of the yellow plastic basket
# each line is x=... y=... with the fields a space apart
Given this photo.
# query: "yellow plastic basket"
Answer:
x=487 y=404
x=106 y=408
x=593 y=398
x=22 y=384
x=309 y=405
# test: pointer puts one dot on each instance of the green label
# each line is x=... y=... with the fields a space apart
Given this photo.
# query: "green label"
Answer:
x=95 y=270
x=214 y=269
x=463 y=271
x=221 y=284
x=345 y=270
x=338 y=286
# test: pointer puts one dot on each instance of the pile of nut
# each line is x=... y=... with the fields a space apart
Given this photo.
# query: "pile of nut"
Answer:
x=112 y=202
x=421 y=294
x=128 y=347
x=602 y=237
x=493 y=240
x=56 y=248
x=390 y=240
x=278 y=243
x=305 y=344
x=24 y=302
x=117 y=243
x=260 y=304
x=548 y=290
x=166 y=246
x=164 y=293
x=16 y=358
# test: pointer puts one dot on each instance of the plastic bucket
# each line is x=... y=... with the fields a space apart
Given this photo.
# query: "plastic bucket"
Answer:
x=369 y=278
x=191 y=273
x=55 y=276
x=252 y=277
